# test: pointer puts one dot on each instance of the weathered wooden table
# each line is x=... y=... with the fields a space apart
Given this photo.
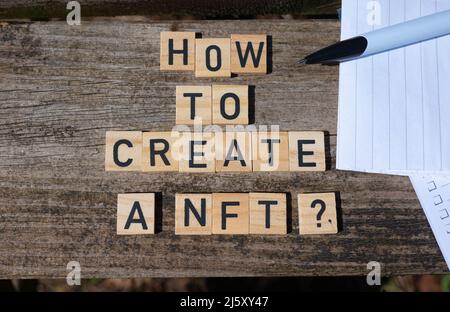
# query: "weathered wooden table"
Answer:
x=62 y=88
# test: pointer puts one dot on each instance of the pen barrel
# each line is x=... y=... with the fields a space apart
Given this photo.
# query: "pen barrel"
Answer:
x=407 y=33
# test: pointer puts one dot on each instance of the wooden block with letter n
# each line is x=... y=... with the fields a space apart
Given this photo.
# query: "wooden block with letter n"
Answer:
x=230 y=104
x=317 y=213
x=307 y=151
x=177 y=51
x=123 y=150
x=233 y=151
x=249 y=54
x=135 y=213
x=270 y=151
x=230 y=213
x=268 y=213
x=193 y=103
x=193 y=214
x=196 y=152
x=157 y=152
x=212 y=57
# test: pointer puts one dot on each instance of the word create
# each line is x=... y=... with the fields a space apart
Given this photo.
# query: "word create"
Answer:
x=213 y=57
x=229 y=213
x=231 y=151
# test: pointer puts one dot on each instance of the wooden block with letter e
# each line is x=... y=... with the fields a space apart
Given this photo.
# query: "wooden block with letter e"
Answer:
x=135 y=213
x=307 y=151
x=157 y=152
x=268 y=213
x=123 y=150
x=249 y=54
x=212 y=57
x=317 y=213
x=230 y=213
x=230 y=104
x=177 y=51
x=193 y=214
x=270 y=151
x=233 y=151
x=196 y=152
x=193 y=103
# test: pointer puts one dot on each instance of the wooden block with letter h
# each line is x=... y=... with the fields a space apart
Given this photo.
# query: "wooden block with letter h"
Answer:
x=193 y=214
x=317 y=213
x=135 y=213
x=177 y=51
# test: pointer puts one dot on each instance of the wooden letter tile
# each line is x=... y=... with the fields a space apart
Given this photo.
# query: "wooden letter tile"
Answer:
x=193 y=103
x=233 y=151
x=317 y=213
x=268 y=213
x=193 y=214
x=177 y=51
x=135 y=213
x=270 y=151
x=212 y=57
x=249 y=54
x=197 y=152
x=230 y=213
x=230 y=104
x=307 y=151
x=157 y=153
x=123 y=151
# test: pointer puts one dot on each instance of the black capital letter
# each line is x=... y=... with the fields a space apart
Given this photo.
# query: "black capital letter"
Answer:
x=249 y=50
x=192 y=154
x=237 y=106
x=267 y=203
x=189 y=206
x=271 y=142
x=141 y=220
x=116 y=153
x=161 y=153
x=183 y=51
x=226 y=215
x=192 y=96
x=208 y=58
x=302 y=153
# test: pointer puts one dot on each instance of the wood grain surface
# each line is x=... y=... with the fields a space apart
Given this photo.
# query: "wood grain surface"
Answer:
x=62 y=88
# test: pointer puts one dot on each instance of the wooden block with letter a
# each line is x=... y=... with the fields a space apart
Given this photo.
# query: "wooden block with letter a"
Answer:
x=212 y=57
x=230 y=213
x=193 y=103
x=157 y=152
x=317 y=213
x=196 y=152
x=230 y=104
x=270 y=151
x=177 y=51
x=193 y=214
x=307 y=151
x=123 y=150
x=233 y=151
x=135 y=213
x=249 y=54
x=268 y=213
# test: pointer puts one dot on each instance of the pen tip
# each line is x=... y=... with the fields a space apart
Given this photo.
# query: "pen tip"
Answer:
x=302 y=61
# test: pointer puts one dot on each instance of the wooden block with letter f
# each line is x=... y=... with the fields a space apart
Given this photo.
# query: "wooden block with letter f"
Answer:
x=230 y=213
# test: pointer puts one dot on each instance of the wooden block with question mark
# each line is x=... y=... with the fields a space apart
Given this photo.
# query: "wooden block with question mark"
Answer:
x=317 y=213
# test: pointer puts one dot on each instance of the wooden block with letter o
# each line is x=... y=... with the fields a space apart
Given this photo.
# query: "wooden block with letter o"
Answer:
x=197 y=152
x=230 y=104
x=307 y=151
x=212 y=57
x=270 y=151
x=317 y=213
x=193 y=103
x=233 y=151
x=135 y=213
x=230 y=213
x=249 y=54
x=157 y=152
x=268 y=213
x=193 y=214
x=177 y=51
x=123 y=150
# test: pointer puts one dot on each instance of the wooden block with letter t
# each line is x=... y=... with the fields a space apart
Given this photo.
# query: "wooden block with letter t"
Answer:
x=230 y=213
x=233 y=151
x=193 y=103
x=157 y=152
x=193 y=214
x=196 y=152
x=230 y=104
x=317 y=213
x=177 y=51
x=270 y=151
x=135 y=213
x=249 y=54
x=268 y=213
x=307 y=151
x=123 y=150
x=212 y=57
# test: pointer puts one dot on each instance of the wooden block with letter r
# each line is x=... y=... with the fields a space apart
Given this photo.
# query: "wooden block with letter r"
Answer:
x=193 y=103
x=193 y=214
x=317 y=213
x=158 y=154
x=135 y=213
x=230 y=104
x=268 y=213
x=307 y=151
x=249 y=54
x=123 y=150
x=230 y=213
x=212 y=57
x=177 y=51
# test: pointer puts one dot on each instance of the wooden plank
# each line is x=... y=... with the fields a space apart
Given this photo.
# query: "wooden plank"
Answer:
x=63 y=87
